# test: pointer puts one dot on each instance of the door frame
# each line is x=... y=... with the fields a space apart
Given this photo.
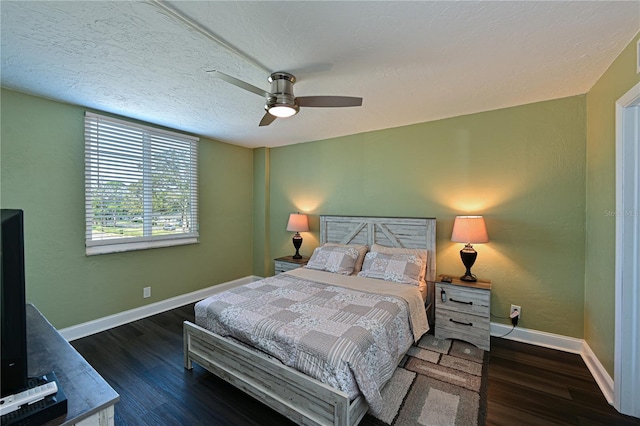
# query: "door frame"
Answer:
x=627 y=272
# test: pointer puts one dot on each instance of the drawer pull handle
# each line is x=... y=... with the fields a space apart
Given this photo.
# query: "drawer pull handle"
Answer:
x=461 y=323
x=459 y=301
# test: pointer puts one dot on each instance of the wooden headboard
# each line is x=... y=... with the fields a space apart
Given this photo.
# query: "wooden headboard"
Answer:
x=387 y=231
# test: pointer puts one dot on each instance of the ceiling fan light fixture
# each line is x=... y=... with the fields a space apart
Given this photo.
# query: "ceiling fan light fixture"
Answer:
x=281 y=102
x=282 y=111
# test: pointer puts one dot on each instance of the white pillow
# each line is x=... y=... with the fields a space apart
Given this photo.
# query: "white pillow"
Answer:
x=400 y=268
x=421 y=253
x=362 y=251
x=336 y=259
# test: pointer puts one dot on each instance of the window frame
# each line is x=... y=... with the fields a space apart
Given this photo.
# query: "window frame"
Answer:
x=115 y=245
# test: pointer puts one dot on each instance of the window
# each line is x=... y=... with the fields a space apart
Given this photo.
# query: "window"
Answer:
x=140 y=186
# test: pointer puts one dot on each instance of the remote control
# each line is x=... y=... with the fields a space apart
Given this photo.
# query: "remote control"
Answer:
x=12 y=403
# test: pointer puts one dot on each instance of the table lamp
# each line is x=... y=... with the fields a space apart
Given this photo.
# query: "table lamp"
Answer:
x=298 y=223
x=469 y=230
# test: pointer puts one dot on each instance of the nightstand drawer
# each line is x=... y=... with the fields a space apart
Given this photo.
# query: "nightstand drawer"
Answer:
x=462 y=299
x=458 y=325
x=281 y=267
x=288 y=263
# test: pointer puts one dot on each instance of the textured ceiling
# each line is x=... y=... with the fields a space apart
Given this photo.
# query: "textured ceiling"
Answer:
x=411 y=61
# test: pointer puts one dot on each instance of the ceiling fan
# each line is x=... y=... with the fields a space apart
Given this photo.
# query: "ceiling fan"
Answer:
x=281 y=102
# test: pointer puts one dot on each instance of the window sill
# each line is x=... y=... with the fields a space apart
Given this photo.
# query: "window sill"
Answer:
x=105 y=248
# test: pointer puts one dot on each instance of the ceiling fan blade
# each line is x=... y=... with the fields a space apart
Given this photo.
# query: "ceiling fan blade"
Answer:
x=267 y=119
x=239 y=83
x=328 y=101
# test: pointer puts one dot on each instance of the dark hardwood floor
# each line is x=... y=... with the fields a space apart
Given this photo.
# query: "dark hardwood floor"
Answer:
x=530 y=385
x=143 y=362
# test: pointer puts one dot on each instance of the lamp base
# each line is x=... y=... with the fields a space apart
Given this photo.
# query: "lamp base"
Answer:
x=469 y=278
x=297 y=243
x=468 y=256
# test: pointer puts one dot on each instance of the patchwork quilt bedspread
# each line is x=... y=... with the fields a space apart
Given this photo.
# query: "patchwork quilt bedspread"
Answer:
x=349 y=339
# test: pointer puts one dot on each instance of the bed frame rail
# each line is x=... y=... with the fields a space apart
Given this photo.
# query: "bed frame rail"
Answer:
x=297 y=396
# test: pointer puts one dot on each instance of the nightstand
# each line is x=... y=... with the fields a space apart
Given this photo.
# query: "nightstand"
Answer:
x=463 y=311
x=287 y=263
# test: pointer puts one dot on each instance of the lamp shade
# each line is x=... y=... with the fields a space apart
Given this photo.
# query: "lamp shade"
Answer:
x=298 y=222
x=469 y=229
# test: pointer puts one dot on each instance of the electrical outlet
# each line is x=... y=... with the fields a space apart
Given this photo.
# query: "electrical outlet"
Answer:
x=146 y=292
x=515 y=308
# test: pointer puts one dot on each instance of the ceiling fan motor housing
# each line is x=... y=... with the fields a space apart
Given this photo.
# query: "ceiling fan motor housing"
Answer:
x=282 y=91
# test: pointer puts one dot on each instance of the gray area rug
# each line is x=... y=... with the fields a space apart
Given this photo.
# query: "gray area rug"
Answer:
x=438 y=383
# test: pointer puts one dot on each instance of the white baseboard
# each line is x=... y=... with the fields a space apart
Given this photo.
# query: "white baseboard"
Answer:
x=538 y=338
x=101 y=324
x=600 y=375
x=561 y=343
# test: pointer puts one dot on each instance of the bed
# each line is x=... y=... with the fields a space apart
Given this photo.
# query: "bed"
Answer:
x=293 y=391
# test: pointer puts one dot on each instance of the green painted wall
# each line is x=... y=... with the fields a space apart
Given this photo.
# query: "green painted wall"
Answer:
x=42 y=159
x=523 y=168
x=601 y=197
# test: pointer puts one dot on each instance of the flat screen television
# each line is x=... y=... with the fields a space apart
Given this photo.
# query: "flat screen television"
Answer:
x=13 y=372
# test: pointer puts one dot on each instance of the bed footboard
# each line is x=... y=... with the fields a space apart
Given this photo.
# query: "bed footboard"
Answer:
x=293 y=394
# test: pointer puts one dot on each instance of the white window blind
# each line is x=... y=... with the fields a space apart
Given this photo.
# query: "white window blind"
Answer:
x=141 y=186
